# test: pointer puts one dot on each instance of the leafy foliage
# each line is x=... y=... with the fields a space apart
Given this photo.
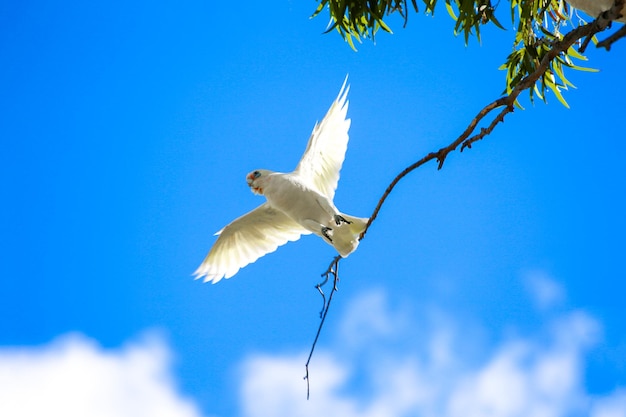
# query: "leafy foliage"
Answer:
x=538 y=24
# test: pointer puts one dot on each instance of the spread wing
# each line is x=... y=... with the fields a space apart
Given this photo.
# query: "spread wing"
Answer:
x=325 y=152
x=246 y=239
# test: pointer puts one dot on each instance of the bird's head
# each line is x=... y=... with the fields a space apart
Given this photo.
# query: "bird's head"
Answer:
x=256 y=180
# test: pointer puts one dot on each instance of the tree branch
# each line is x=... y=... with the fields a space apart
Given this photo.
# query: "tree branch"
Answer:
x=608 y=42
x=507 y=103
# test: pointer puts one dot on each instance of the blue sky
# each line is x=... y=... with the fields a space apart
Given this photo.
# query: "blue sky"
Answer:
x=494 y=285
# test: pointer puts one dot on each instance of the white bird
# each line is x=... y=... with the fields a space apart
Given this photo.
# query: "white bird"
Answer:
x=595 y=7
x=298 y=203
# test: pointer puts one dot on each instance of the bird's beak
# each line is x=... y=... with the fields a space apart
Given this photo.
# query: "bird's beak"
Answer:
x=250 y=180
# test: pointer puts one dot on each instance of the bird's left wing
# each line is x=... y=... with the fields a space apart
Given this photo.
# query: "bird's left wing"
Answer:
x=326 y=150
x=246 y=239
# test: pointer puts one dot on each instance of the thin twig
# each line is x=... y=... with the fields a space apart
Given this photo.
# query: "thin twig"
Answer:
x=608 y=42
x=333 y=269
x=439 y=155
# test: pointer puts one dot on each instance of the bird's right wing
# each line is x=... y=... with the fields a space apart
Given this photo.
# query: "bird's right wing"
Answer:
x=246 y=239
x=326 y=150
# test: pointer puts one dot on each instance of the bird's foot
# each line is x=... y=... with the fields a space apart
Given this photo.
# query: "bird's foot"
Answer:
x=325 y=231
x=340 y=219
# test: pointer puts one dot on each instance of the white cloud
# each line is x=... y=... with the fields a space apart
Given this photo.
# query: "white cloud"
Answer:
x=612 y=406
x=369 y=319
x=525 y=378
x=74 y=377
x=540 y=375
x=264 y=373
x=545 y=291
x=384 y=361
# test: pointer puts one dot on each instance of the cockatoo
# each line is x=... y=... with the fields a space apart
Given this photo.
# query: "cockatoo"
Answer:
x=595 y=7
x=298 y=203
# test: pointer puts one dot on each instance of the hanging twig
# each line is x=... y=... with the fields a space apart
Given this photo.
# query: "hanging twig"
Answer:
x=333 y=269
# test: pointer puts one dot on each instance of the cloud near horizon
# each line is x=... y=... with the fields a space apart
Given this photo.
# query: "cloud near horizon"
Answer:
x=538 y=375
x=74 y=377
x=383 y=361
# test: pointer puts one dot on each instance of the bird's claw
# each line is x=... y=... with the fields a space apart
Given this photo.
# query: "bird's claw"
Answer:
x=340 y=219
x=325 y=231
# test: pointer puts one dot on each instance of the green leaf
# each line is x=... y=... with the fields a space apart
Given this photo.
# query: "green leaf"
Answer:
x=495 y=21
x=556 y=91
x=384 y=26
x=451 y=11
x=349 y=40
x=558 y=70
x=571 y=51
x=576 y=67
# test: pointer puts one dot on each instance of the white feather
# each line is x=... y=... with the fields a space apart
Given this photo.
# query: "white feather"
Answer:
x=246 y=239
x=326 y=150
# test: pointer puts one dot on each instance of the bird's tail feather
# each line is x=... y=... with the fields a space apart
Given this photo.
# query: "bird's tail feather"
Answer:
x=346 y=236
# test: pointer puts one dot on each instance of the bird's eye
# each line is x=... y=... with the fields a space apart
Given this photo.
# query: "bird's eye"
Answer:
x=256 y=174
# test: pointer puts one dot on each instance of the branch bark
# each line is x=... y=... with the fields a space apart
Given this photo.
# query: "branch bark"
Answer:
x=608 y=42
